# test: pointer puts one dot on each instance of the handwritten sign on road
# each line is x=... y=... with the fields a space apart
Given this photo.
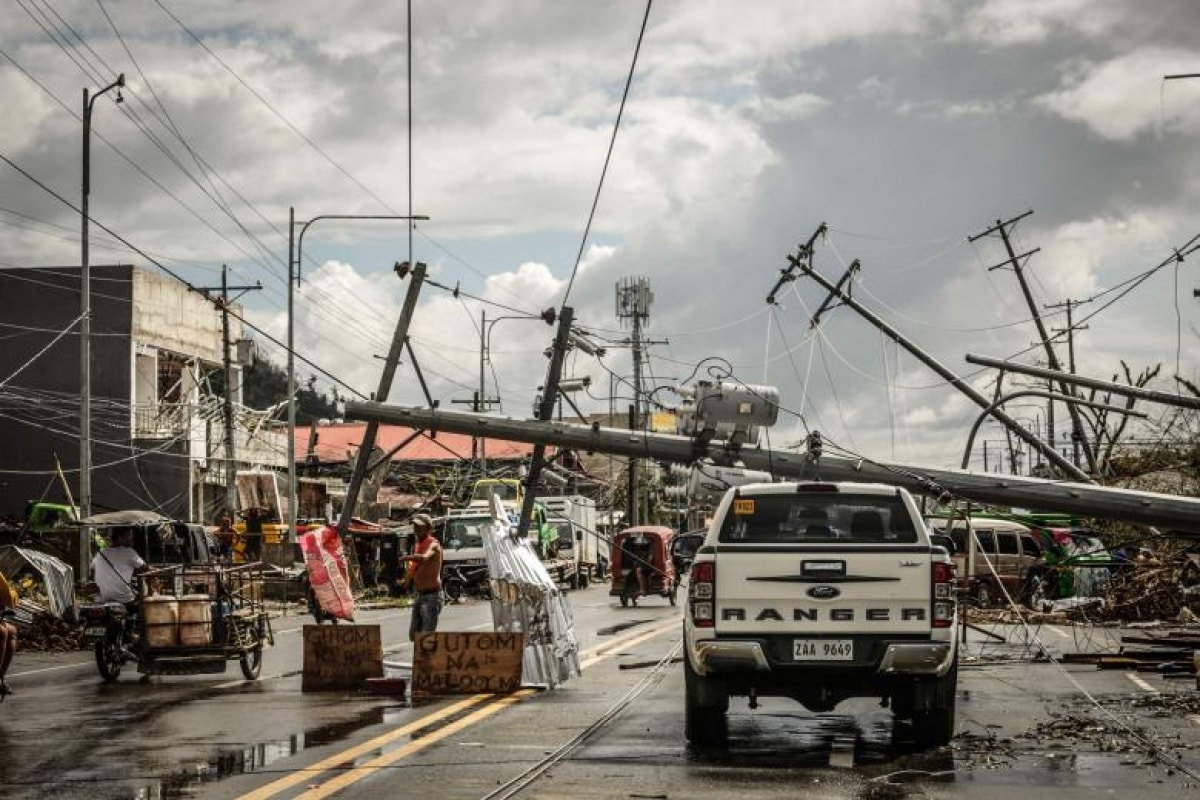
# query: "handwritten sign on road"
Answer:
x=467 y=663
x=341 y=657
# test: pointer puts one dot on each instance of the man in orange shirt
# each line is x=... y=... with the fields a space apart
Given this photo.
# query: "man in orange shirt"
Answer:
x=426 y=566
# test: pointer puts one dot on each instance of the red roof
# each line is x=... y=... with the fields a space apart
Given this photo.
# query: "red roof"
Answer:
x=339 y=441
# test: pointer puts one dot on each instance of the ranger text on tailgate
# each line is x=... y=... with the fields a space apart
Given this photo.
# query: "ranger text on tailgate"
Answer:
x=820 y=592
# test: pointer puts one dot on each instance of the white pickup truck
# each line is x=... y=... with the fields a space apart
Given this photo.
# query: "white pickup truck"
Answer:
x=820 y=592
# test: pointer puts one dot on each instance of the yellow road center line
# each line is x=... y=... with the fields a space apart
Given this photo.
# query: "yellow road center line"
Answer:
x=275 y=787
x=353 y=776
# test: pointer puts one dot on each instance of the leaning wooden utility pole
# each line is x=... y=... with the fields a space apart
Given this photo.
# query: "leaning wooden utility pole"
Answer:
x=1016 y=262
x=385 y=386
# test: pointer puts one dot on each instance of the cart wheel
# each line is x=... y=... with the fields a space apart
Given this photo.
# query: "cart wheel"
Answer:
x=252 y=663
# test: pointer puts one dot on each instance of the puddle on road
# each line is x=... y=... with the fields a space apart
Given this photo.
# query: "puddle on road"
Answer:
x=226 y=762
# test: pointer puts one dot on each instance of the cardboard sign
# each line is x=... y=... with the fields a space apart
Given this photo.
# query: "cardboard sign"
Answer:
x=341 y=657
x=467 y=663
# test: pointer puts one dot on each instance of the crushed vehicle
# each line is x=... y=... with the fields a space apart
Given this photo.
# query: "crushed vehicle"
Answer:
x=820 y=592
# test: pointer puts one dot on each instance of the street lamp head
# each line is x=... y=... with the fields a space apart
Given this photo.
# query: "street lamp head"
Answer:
x=549 y=315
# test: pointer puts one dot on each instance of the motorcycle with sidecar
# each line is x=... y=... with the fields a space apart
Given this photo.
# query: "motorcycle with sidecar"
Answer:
x=183 y=621
x=641 y=564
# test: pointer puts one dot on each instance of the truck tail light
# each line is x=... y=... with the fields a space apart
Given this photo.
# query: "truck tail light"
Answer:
x=702 y=594
x=943 y=595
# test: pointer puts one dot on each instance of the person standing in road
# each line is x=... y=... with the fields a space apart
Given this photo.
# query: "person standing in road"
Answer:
x=426 y=564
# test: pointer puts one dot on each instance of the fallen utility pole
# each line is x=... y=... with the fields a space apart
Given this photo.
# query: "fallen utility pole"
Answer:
x=1124 y=389
x=1085 y=499
x=1050 y=454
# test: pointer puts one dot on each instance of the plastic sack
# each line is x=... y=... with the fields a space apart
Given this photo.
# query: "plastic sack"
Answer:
x=326 y=563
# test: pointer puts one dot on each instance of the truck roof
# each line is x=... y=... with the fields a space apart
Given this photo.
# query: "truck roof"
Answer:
x=794 y=487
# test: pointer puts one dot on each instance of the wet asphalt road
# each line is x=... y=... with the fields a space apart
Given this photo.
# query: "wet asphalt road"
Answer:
x=1021 y=724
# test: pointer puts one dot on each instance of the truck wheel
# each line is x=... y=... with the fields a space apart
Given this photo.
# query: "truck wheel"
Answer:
x=934 y=726
x=576 y=580
x=706 y=702
x=109 y=659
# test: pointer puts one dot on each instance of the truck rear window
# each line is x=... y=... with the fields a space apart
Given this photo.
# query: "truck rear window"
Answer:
x=818 y=518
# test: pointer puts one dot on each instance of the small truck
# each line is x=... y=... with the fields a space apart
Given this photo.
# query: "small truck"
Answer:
x=820 y=592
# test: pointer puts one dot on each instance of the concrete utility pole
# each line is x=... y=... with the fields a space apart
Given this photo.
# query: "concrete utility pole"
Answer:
x=929 y=361
x=1153 y=395
x=1015 y=261
x=1147 y=508
x=230 y=439
x=545 y=414
x=385 y=386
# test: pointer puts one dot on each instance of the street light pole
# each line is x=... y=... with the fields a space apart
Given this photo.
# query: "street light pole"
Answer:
x=85 y=301
x=296 y=245
x=485 y=357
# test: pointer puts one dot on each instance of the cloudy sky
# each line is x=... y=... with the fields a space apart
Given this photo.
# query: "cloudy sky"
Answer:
x=907 y=126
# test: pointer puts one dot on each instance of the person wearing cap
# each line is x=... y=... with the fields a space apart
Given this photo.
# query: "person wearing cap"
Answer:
x=426 y=565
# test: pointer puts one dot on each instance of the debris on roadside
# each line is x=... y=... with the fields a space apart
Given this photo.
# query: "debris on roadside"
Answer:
x=46 y=633
x=1168 y=590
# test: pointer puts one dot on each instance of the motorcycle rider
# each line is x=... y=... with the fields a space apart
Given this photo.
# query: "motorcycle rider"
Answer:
x=113 y=568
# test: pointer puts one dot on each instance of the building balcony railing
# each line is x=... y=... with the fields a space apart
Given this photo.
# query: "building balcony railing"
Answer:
x=161 y=420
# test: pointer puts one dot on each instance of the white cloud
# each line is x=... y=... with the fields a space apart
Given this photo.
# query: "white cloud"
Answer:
x=1023 y=22
x=1126 y=96
x=794 y=107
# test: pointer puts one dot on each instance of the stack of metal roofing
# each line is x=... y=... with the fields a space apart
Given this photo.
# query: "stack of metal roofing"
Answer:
x=525 y=599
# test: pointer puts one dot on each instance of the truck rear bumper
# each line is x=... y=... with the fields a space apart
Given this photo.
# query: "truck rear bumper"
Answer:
x=900 y=658
x=717 y=656
x=917 y=658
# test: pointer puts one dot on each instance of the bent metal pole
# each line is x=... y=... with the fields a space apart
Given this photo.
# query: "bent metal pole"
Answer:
x=1146 y=508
